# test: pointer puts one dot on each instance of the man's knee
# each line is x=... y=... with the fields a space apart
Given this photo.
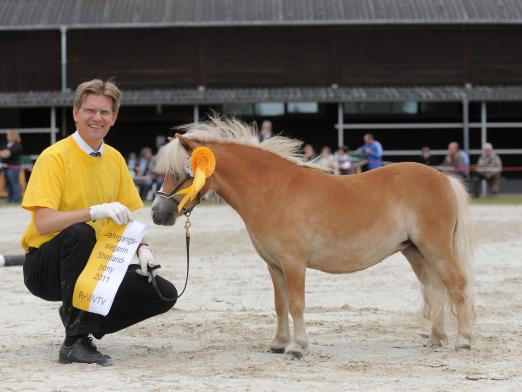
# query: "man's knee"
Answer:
x=168 y=290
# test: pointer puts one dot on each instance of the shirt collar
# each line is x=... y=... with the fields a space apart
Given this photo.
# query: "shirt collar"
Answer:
x=83 y=145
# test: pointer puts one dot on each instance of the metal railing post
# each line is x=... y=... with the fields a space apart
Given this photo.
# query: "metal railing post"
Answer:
x=340 y=125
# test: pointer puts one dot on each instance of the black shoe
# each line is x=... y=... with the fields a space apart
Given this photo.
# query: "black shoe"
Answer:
x=83 y=351
x=87 y=342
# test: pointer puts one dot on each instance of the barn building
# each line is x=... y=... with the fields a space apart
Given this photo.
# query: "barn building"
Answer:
x=413 y=72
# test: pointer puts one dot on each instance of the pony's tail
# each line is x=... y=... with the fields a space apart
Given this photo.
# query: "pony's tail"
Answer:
x=463 y=243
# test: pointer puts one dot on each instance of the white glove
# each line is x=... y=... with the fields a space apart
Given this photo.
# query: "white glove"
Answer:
x=116 y=211
x=145 y=258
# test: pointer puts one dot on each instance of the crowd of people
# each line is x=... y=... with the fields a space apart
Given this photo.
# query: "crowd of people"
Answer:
x=368 y=156
x=457 y=163
x=342 y=162
x=143 y=171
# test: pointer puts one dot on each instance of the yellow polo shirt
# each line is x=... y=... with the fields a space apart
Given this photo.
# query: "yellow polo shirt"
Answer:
x=65 y=178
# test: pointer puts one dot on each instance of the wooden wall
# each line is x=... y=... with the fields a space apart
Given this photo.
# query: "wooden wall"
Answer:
x=266 y=56
x=194 y=57
x=29 y=60
x=403 y=56
x=495 y=55
x=136 y=58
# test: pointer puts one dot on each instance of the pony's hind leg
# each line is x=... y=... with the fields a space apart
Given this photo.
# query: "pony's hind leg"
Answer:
x=457 y=285
x=444 y=270
x=434 y=306
x=282 y=337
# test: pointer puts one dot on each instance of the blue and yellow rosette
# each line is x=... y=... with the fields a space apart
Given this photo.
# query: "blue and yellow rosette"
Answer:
x=203 y=164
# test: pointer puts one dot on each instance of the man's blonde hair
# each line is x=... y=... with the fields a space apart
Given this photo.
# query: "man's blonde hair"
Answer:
x=98 y=87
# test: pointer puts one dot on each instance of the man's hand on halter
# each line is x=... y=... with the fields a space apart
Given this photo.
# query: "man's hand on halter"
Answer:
x=146 y=258
x=116 y=211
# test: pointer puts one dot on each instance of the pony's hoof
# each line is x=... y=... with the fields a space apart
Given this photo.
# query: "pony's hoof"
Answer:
x=278 y=345
x=296 y=351
x=294 y=355
x=436 y=341
x=433 y=343
x=462 y=343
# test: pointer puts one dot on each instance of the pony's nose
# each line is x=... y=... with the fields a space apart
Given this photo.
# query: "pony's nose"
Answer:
x=162 y=218
x=155 y=215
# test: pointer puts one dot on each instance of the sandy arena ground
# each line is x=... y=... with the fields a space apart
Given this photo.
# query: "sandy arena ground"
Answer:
x=364 y=328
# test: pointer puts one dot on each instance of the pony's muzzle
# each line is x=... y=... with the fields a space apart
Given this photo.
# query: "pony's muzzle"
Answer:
x=163 y=212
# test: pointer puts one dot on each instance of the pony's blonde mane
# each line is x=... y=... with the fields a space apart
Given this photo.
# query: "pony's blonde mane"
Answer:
x=173 y=156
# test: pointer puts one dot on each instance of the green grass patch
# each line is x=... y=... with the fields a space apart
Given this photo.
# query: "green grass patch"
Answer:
x=507 y=198
x=3 y=202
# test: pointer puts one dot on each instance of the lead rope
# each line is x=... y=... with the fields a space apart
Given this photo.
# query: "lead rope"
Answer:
x=187 y=242
x=152 y=269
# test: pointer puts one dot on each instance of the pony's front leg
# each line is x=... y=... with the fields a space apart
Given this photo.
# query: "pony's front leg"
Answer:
x=295 y=282
x=282 y=337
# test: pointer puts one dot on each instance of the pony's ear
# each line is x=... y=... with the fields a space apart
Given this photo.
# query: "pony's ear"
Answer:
x=188 y=144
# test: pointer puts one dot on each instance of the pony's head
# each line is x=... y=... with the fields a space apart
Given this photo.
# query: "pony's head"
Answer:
x=175 y=161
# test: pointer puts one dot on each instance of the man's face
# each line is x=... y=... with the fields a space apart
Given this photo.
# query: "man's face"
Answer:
x=453 y=148
x=308 y=150
x=266 y=128
x=94 y=118
x=368 y=139
x=147 y=153
x=488 y=151
x=325 y=152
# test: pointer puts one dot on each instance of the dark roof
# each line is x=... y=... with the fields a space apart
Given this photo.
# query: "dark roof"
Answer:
x=283 y=94
x=31 y=14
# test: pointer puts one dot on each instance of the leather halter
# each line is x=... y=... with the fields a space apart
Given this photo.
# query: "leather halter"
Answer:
x=176 y=202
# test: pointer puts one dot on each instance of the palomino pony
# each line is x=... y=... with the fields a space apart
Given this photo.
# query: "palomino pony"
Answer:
x=299 y=217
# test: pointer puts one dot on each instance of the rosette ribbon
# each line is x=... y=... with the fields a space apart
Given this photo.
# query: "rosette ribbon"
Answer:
x=203 y=164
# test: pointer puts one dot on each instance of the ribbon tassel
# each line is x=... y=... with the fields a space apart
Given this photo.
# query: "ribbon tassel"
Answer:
x=203 y=165
x=191 y=191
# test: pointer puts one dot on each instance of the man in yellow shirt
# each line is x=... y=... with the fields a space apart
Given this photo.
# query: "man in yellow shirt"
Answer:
x=76 y=185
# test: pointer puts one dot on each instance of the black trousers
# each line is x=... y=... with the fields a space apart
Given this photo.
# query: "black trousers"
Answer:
x=51 y=271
